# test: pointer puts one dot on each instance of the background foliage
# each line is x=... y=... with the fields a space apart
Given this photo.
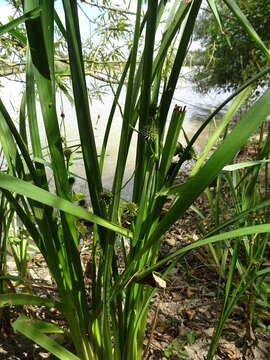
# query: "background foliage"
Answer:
x=227 y=64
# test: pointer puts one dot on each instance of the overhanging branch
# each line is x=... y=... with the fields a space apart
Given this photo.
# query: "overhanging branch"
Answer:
x=125 y=11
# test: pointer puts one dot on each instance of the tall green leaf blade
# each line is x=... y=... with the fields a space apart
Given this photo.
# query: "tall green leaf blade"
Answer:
x=12 y=132
x=14 y=162
x=242 y=232
x=41 y=48
x=186 y=35
x=130 y=102
x=32 y=14
x=7 y=144
x=46 y=327
x=82 y=105
x=60 y=24
x=244 y=164
x=22 y=124
x=24 y=188
x=33 y=122
x=213 y=6
x=170 y=142
x=28 y=328
x=26 y=299
x=145 y=99
x=170 y=32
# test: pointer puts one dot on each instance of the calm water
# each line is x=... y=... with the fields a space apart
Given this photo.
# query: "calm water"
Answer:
x=198 y=107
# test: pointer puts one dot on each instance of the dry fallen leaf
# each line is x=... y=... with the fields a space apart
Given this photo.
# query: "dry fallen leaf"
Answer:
x=160 y=283
x=189 y=314
x=153 y=280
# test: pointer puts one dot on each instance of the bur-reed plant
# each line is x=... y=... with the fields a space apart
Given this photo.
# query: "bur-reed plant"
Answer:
x=109 y=320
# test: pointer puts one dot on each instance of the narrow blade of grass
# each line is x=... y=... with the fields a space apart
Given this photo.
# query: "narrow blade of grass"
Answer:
x=28 y=328
x=32 y=14
x=26 y=299
x=24 y=188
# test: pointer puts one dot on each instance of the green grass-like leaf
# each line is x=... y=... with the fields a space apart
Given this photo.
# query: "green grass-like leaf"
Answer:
x=26 y=299
x=20 y=20
x=33 y=192
x=32 y=330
